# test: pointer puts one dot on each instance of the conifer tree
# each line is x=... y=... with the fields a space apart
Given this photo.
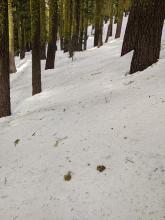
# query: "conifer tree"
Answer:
x=12 y=67
x=5 y=108
x=52 y=38
x=98 y=23
x=21 y=29
x=131 y=31
x=119 y=17
x=43 y=29
x=35 y=35
x=109 y=6
x=148 y=39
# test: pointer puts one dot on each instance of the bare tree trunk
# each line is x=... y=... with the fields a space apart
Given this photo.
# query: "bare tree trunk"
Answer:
x=43 y=30
x=148 y=42
x=119 y=26
x=53 y=27
x=131 y=29
x=98 y=24
x=36 y=63
x=110 y=30
x=21 y=38
x=12 y=67
x=85 y=38
x=5 y=107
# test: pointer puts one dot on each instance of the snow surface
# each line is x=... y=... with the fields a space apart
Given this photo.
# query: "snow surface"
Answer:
x=90 y=113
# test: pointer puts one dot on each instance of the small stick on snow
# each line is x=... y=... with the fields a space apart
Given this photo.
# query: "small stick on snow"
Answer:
x=129 y=160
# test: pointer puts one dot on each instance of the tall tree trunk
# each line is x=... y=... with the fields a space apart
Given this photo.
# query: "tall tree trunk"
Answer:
x=16 y=40
x=98 y=24
x=119 y=25
x=53 y=27
x=20 y=25
x=5 y=108
x=110 y=29
x=35 y=34
x=71 y=46
x=43 y=29
x=85 y=38
x=67 y=24
x=81 y=31
x=27 y=28
x=98 y=36
x=131 y=28
x=148 y=42
x=12 y=67
x=61 y=24
x=21 y=38
x=100 y=39
x=86 y=23
x=76 y=23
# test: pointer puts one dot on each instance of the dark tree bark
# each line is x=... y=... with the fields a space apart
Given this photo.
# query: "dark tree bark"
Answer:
x=67 y=24
x=5 y=108
x=75 y=37
x=35 y=34
x=85 y=38
x=109 y=31
x=80 y=45
x=28 y=47
x=53 y=28
x=98 y=37
x=61 y=24
x=66 y=45
x=21 y=37
x=16 y=37
x=62 y=43
x=98 y=25
x=148 y=42
x=119 y=26
x=131 y=29
x=42 y=30
x=12 y=66
x=86 y=20
x=76 y=26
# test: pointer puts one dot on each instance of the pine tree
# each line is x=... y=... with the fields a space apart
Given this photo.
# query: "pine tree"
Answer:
x=43 y=29
x=148 y=39
x=98 y=23
x=21 y=29
x=35 y=34
x=12 y=67
x=131 y=31
x=5 y=108
x=53 y=28
x=109 y=6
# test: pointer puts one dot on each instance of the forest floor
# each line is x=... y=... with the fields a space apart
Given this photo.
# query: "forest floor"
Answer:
x=90 y=113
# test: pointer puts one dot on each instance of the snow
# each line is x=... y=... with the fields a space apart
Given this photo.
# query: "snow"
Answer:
x=90 y=113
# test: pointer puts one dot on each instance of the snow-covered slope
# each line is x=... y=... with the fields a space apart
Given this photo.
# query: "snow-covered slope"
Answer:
x=90 y=113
